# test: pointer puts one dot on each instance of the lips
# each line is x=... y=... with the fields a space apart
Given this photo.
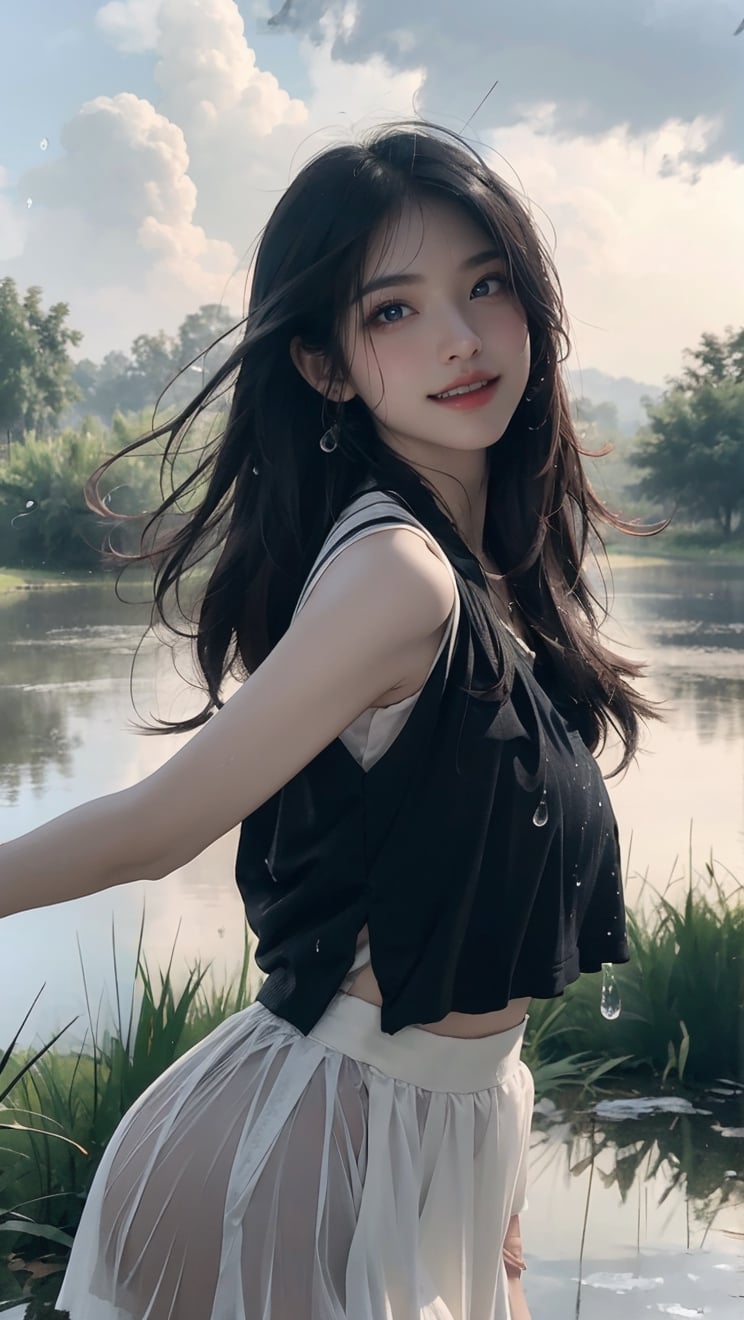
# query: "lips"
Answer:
x=470 y=399
x=462 y=381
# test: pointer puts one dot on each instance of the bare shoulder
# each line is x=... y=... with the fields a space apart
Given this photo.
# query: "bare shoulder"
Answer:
x=402 y=573
x=350 y=643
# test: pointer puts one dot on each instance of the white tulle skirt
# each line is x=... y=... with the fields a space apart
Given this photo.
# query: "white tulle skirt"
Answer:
x=344 y=1175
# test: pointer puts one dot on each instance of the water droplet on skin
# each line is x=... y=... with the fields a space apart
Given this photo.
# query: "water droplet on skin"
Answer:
x=611 y=1003
x=540 y=817
x=44 y=143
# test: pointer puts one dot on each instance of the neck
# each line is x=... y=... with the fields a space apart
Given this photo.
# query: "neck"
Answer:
x=460 y=480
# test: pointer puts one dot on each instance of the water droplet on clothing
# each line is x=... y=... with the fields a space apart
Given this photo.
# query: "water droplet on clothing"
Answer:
x=317 y=946
x=611 y=1003
x=540 y=817
x=44 y=143
x=29 y=203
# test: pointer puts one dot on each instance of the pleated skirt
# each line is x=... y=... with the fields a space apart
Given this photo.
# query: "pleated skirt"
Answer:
x=343 y=1175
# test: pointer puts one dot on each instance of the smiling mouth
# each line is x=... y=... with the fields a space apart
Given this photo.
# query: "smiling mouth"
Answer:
x=465 y=389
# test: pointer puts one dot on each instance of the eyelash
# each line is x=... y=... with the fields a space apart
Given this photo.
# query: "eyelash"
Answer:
x=382 y=307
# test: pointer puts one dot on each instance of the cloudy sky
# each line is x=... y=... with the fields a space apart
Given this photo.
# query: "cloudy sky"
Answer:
x=143 y=144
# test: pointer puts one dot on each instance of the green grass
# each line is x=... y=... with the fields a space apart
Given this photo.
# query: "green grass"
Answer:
x=693 y=546
x=681 y=1027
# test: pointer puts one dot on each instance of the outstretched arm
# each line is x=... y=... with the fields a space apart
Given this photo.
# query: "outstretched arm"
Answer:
x=353 y=640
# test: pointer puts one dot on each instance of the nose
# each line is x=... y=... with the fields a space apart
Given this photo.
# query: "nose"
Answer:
x=458 y=338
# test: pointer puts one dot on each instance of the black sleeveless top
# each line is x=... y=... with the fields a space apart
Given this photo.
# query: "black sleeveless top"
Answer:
x=481 y=849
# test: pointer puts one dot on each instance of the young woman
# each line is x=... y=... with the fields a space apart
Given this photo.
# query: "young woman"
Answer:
x=426 y=840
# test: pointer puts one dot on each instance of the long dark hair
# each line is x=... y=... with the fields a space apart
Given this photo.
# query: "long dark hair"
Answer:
x=271 y=493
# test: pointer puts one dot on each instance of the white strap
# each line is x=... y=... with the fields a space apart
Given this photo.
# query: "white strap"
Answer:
x=360 y=519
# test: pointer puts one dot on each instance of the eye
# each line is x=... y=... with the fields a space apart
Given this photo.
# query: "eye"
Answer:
x=485 y=284
x=388 y=314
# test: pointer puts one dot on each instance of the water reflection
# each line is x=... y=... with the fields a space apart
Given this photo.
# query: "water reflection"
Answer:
x=640 y=1209
x=65 y=658
x=65 y=736
x=634 y=1214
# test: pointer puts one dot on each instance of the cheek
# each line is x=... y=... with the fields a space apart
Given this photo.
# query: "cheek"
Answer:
x=517 y=336
x=377 y=367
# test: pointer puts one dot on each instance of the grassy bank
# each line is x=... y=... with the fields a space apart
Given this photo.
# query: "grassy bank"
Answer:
x=693 y=547
x=13 y=580
x=35 y=579
x=625 y=551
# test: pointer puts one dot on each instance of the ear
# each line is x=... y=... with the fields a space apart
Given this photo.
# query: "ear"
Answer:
x=313 y=368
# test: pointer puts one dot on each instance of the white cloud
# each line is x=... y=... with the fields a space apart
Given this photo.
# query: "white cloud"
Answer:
x=648 y=262
x=209 y=77
x=641 y=63
x=152 y=210
x=132 y=25
x=116 y=213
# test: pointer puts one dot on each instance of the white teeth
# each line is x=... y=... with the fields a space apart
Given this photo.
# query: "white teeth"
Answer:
x=462 y=389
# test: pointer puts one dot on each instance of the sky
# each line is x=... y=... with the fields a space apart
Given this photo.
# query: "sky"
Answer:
x=144 y=143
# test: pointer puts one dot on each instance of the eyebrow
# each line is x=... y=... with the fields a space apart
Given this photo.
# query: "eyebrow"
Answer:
x=387 y=281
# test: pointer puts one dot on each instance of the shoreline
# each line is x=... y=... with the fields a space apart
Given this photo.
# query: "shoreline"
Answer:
x=13 y=580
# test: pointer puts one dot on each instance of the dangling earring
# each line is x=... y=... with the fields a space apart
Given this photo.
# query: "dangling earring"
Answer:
x=330 y=438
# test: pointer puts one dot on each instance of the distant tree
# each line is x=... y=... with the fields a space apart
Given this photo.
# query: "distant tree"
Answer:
x=16 y=352
x=36 y=371
x=595 y=420
x=200 y=329
x=692 y=451
x=151 y=368
x=131 y=383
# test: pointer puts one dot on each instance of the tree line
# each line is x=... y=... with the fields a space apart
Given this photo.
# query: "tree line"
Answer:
x=59 y=418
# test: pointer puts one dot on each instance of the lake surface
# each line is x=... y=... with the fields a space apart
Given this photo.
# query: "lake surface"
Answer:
x=65 y=737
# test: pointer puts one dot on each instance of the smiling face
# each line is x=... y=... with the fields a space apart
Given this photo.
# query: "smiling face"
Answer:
x=436 y=312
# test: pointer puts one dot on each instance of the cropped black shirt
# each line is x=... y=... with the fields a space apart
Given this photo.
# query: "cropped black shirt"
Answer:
x=481 y=849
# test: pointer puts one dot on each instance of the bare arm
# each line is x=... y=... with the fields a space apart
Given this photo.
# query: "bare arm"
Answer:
x=518 y=1308
x=514 y=1261
x=351 y=642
